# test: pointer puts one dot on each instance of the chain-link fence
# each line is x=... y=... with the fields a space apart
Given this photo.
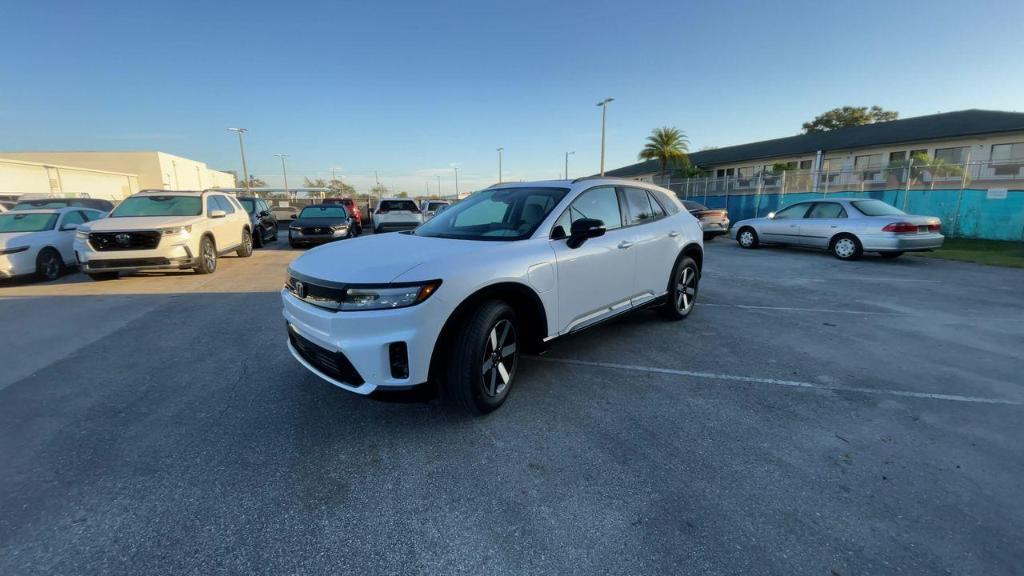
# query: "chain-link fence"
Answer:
x=977 y=199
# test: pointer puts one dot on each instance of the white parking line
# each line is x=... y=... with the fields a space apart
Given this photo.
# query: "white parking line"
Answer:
x=794 y=309
x=778 y=382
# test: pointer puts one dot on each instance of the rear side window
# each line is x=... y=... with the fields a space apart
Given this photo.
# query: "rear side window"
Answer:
x=659 y=212
x=827 y=210
x=669 y=203
x=638 y=206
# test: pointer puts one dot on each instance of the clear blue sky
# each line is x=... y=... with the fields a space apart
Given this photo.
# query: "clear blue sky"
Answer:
x=411 y=87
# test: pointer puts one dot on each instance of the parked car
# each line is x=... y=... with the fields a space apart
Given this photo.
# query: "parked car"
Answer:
x=164 y=230
x=457 y=300
x=40 y=241
x=429 y=208
x=61 y=202
x=396 y=214
x=261 y=219
x=319 y=224
x=353 y=210
x=284 y=213
x=714 y=222
x=5 y=206
x=847 y=227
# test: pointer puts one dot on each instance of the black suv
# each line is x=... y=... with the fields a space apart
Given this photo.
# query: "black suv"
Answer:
x=264 y=223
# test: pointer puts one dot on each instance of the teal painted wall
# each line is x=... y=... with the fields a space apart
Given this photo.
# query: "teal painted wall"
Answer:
x=979 y=216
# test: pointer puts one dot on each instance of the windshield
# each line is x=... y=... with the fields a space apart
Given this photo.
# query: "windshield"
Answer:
x=499 y=214
x=333 y=211
x=876 y=208
x=27 y=222
x=159 y=206
x=249 y=204
x=36 y=204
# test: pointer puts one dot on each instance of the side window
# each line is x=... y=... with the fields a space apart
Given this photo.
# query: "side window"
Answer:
x=90 y=215
x=659 y=212
x=600 y=203
x=221 y=203
x=638 y=204
x=670 y=205
x=75 y=217
x=233 y=203
x=827 y=210
x=794 y=211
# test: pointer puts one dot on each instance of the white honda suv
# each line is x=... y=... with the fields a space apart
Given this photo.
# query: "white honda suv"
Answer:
x=164 y=230
x=455 y=301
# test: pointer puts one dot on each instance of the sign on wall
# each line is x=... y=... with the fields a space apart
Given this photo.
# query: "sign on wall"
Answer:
x=996 y=194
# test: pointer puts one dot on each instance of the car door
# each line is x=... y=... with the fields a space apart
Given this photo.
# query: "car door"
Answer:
x=65 y=235
x=224 y=229
x=784 y=228
x=653 y=244
x=595 y=280
x=821 y=223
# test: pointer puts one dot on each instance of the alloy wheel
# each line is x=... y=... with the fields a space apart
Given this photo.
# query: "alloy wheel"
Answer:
x=686 y=289
x=209 y=257
x=499 y=360
x=50 y=266
x=845 y=248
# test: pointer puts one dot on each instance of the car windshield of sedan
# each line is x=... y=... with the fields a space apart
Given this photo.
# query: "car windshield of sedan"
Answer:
x=26 y=222
x=332 y=211
x=497 y=214
x=876 y=208
x=159 y=206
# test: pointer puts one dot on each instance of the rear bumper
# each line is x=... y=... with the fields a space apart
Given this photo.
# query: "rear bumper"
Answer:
x=901 y=242
x=396 y=226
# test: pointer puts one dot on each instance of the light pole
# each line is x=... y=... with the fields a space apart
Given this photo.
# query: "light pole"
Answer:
x=241 y=149
x=284 y=169
x=500 y=150
x=456 y=182
x=604 y=114
x=439 y=186
x=567 y=154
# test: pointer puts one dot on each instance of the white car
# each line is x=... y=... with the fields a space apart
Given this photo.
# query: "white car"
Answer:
x=164 y=230
x=455 y=301
x=396 y=214
x=429 y=208
x=40 y=241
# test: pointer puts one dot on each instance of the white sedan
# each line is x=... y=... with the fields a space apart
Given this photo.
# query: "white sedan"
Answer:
x=458 y=299
x=40 y=241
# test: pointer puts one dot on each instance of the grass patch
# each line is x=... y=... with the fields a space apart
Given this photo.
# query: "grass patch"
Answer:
x=991 y=252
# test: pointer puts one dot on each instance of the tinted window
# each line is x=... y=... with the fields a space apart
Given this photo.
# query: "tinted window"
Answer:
x=600 y=203
x=159 y=206
x=794 y=211
x=669 y=203
x=91 y=215
x=14 y=222
x=221 y=203
x=250 y=204
x=876 y=208
x=495 y=214
x=398 y=205
x=655 y=207
x=334 y=211
x=638 y=206
x=827 y=210
x=75 y=217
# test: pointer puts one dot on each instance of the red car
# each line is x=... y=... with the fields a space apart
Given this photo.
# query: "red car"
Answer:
x=352 y=208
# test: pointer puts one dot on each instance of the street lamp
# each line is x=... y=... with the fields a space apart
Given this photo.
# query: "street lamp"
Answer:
x=567 y=154
x=439 y=186
x=241 y=148
x=456 y=182
x=604 y=114
x=499 y=164
x=284 y=169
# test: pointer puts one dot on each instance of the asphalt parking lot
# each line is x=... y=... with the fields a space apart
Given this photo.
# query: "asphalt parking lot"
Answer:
x=810 y=417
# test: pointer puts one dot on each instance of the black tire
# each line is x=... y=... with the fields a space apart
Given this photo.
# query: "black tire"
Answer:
x=359 y=229
x=245 y=248
x=274 y=237
x=745 y=241
x=49 y=265
x=292 y=243
x=102 y=276
x=890 y=255
x=257 y=240
x=708 y=236
x=471 y=384
x=846 y=247
x=207 y=256
x=682 y=289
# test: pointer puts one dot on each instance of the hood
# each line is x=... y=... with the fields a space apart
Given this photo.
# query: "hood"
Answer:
x=12 y=239
x=140 y=223
x=380 y=258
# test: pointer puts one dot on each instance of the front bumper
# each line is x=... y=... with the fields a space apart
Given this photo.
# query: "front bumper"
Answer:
x=296 y=237
x=170 y=257
x=18 y=264
x=901 y=242
x=364 y=337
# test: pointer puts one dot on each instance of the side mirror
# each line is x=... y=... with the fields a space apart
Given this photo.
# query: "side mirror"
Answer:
x=69 y=227
x=264 y=213
x=771 y=215
x=217 y=213
x=583 y=229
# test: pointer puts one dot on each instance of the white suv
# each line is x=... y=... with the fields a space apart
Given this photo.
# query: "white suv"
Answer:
x=160 y=229
x=457 y=300
x=396 y=214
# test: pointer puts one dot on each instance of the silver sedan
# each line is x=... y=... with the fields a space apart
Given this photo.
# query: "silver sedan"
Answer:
x=847 y=227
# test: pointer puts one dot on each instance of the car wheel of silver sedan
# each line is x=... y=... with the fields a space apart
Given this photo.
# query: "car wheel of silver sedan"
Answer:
x=846 y=247
x=747 y=238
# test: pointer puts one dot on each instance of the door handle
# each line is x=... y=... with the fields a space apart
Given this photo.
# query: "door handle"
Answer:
x=625 y=244
x=673 y=234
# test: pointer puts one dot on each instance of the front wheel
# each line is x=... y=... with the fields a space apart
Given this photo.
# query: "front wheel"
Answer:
x=747 y=238
x=483 y=358
x=682 y=292
x=257 y=240
x=49 y=264
x=245 y=248
x=846 y=247
x=207 y=257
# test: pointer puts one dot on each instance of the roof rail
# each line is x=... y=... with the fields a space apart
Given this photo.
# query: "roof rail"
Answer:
x=581 y=178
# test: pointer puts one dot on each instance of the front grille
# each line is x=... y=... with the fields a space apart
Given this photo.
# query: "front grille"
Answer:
x=315 y=294
x=128 y=263
x=110 y=241
x=333 y=364
x=317 y=230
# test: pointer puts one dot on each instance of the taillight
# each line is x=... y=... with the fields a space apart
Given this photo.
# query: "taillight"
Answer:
x=901 y=228
x=935 y=227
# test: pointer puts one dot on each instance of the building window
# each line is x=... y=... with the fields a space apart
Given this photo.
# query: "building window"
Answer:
x=919 y=154
x=1008 y=159
x=806 y=164
x=869 y=165
x=745 y=172
x=898 y=157
x=952 y=155
x=720 y=173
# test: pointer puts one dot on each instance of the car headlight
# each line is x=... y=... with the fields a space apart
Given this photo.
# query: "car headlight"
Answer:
x=177 y=231
x=14 y=250
x=340 y=227
x=294 y=226
x=81 y=234
x=355 y=298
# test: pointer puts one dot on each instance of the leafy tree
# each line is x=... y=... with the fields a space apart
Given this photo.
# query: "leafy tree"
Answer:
x=848 y=116
x=378 y=190
x=254 y=182
x=668 y=146
x=402 y=194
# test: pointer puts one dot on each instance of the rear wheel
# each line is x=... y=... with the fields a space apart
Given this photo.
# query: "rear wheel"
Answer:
x=846 y=247
x=102 y=276
x=245 y=248
x=682 y=293
x=483 y=358
x=747 y=238
x=890 y=255
x=207 y=257
x=49 y=264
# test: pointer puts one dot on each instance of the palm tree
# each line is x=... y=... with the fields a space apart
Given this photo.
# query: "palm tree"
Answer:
x=667 y=146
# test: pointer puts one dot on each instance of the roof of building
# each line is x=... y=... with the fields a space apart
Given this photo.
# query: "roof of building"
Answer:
x=931 y=127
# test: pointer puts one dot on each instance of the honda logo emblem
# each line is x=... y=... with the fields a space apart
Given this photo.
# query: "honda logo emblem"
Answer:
x=300 y=289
